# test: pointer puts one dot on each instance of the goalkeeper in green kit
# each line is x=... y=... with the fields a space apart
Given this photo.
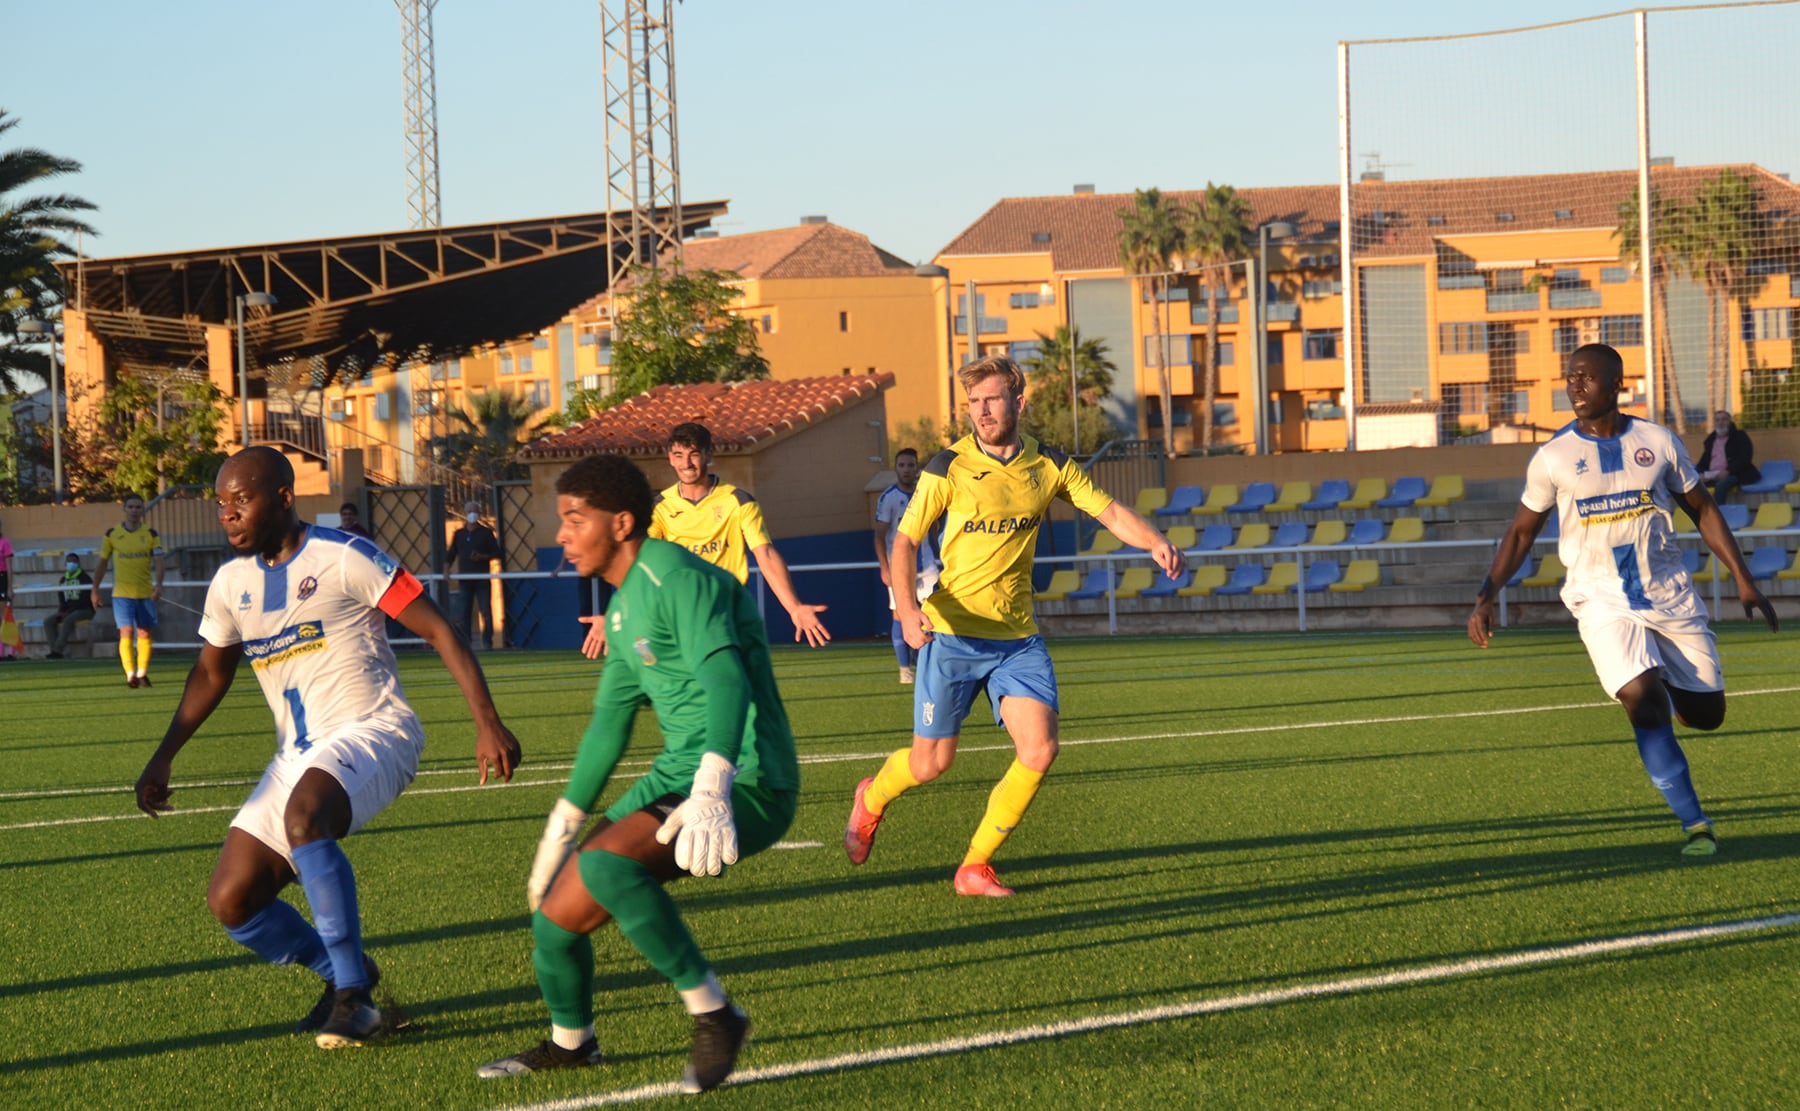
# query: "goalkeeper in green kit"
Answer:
x=685 y=638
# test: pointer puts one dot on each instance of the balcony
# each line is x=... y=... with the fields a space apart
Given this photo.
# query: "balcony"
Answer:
x=989 y=325
x=1580 y=297
x=1283 y=312
x=1513 y=300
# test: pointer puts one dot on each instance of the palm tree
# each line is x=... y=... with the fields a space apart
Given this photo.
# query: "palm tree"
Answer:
x=1049 y=416
x=1218 y=234
x=1669 y=221
x=1722 y=234
x=1152 y=232
x=494 y=427
x=29 y=246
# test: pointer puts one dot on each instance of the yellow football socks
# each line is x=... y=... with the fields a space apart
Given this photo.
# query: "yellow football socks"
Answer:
x=143 y=652
x=1006 y=806
x=126 y=656
x=893 y=780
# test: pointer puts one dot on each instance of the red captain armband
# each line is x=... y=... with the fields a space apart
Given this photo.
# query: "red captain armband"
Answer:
x=400 y=593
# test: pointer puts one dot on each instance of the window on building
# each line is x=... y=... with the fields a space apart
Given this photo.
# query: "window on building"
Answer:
x=1615 y=275
x=843 y=322
x=1329 y=287
x=1022 y=301
x=524 y=364
x=541 y=343
x=768 y=324
x=1227 y=353
x=1224 y=414
x=540 y=393
x=1021 y=351
x=1462 y=339
x=1459 y=274
x=1773 y=324
x=1566 y=279
x=1324 y=344
x=1565 y=339
x=1277 y=410
x=1277 y=351
x=506 y=364
x=1622 y=331
x=1181 y=351
x=1509 y=279
x=1327 y=409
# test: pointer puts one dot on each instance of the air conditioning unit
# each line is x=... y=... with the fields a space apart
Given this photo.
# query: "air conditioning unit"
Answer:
x=1588 y=329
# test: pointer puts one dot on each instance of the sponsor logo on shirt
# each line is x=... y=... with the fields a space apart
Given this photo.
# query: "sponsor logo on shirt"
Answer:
x=382 y=561
x=1001 y=525
x=642 y=647
x=295 y=640
x=711 y=547
x=1604 y=509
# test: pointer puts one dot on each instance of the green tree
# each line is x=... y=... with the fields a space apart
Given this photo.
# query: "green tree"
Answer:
x=30 y=244
x=150 y=438
x=1152 y=232
x=1669 y=220
x=494 y=426
x=1217 y=234
x=1722 y=235
x=1048 y=415
x=676 y=328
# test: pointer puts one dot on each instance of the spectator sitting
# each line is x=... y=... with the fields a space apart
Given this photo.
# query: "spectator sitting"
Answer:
x=73 y=606
x=1727 y=458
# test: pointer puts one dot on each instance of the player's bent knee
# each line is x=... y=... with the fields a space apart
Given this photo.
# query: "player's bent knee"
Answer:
x=610 y=877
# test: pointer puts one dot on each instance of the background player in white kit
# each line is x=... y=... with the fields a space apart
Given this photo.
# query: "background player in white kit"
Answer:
x=1614 y=480
x=305 y=605
x=889 y=508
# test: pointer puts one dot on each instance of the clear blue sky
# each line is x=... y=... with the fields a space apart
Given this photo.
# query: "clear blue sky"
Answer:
x=204 y=123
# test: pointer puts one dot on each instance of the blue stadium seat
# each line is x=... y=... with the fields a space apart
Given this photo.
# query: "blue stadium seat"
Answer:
x=1553 y=526
x=1214 y=537
x=1331 y=492
x=1245 y=577
x=1290 y=534
x=1165 y=587
x=1367 y=531
x=1737 y=515
x=1256 y=496
x=1406 y=491
x=1523 y=573
x=1094 y=585
x=1768 y=561
x=1692 y=558
x=1776 y=474
x=1321 y=573
x=1182 y=501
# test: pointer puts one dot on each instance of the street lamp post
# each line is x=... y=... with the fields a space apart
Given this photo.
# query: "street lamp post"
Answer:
x=260 y=300
x=932 y=270
x=1275 y=229
x=44 y=328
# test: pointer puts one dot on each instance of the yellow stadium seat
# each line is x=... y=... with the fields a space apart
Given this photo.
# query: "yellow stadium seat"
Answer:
x=1105 y=543
x=1445 y=488
x=1712 y=570
x=1549 y=573
x=1292 y=496
x=1281 y=576
x=1133 y=582
x=1061 y=582
x=1208 y=577
x=1327 y=533
x=1684 y=525
x=1182 y=536
x=1251 y=536
x=1150 y=499
x=1220 y=496
x=1792 y=571
x=1360 y=574
x=1368 y=491
x=1406 y=530
x=1772 y=515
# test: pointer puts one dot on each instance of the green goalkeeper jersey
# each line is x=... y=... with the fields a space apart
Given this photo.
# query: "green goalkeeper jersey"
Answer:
x=671 y=613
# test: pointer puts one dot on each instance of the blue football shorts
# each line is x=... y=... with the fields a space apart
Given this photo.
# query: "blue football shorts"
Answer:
x=134 y=613
x=953 y=669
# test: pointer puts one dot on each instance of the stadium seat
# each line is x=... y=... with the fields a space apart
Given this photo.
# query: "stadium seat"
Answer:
x=1061 y=582
x=1768 y=561
x=1523 y=573
x=1772 y=516
x=1150 y=499
x=1328 y=534
x=1776 y=475
x=1292 y=496
x=1134 y=582
x=1182 y=536
x=1737 y=515
x=1792 y=572
x=1245 y=577
x=1711 y=570
x=1406 y=530
x=1094 y=585
x=1182 y=501
x=1206 y=578
x=1684 y=524
x=1321 y=573
x=1366 y=531
x=1281 y=580
x=1445 y=488
x=1217 y=499
x=1214 y=537
x=1165 y=587
x=1368 y=492
x=1254 y=535
x=1290 y=534
x=1360 y=574
x=1691 y=558
x=1331 y=492
x=1549 y=573
x=1406 y=491
x=1105 y=543
x=1553 y=527
x=1257 y=497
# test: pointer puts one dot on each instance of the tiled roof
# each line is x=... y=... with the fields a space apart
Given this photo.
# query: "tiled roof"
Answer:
x=807 y=251
x=740 y=415
x=1083 y=229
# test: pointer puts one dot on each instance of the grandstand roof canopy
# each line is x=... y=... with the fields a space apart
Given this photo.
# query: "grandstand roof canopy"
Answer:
x=353 y=302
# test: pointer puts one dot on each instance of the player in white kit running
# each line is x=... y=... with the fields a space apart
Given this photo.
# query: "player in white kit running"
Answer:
x=307 y=606
x=1615 y=481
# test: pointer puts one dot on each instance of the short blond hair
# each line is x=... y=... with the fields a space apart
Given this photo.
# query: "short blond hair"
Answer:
x=993 y=366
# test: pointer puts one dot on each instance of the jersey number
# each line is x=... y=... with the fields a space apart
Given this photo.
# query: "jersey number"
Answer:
x=298 y=712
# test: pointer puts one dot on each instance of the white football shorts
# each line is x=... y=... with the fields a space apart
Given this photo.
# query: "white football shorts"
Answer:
x=1624 y=643
x=374 y=761
x=924 y=587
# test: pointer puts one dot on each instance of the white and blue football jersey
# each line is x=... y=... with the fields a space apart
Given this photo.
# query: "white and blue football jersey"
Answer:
x=890 y=507
x=313 y=630
x=1616 y=498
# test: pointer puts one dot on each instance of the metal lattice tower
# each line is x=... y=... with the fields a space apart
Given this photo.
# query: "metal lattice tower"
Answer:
x=643 y=168
x=419 y=78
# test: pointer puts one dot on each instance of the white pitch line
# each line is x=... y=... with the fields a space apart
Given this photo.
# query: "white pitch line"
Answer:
x=1320 y=989
x=858 y=757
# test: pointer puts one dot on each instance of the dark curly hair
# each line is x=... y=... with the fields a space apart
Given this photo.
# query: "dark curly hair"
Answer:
x=611 y=483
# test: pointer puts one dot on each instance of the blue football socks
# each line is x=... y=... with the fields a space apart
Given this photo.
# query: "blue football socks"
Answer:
x=279 y=935
x=331 y=891
x=1668 y=769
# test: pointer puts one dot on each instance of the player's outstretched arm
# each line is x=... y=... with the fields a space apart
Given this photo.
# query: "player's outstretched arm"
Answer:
x=805 y=618
x=1718 y=536
x=1131 y=527
x=1510 y=556
x=206 y=686
x=495 y=745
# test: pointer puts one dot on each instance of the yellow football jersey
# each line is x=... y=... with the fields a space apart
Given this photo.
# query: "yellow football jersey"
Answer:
x=991 y=513
x=131 y=554
x=722 y=528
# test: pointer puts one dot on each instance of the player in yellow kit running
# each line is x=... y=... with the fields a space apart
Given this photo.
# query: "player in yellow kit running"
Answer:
x=976 y=631
x=135 y=550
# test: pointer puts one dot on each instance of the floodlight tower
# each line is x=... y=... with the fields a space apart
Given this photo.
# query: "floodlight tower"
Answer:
x=419 y=79
x=643 y=167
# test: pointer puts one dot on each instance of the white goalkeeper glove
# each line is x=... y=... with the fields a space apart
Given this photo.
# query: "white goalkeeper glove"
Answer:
x=560 y=834
x=702 y=828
